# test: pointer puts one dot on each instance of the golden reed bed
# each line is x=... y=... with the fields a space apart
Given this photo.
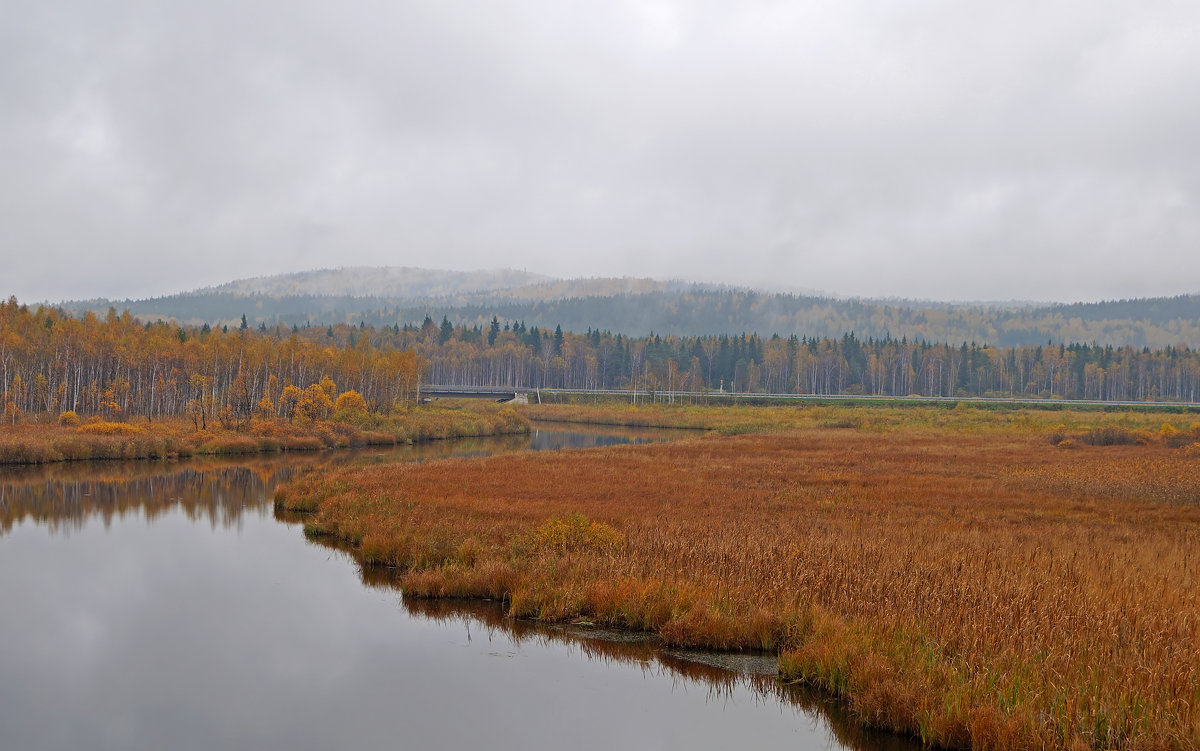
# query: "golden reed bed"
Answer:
x=975 y=587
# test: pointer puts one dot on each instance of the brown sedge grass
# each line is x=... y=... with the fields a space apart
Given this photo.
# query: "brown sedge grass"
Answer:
x=959 y=578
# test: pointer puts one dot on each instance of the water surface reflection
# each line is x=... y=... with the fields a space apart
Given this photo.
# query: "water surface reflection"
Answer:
x=160 y=605
x=721 y=677
x=63 y=495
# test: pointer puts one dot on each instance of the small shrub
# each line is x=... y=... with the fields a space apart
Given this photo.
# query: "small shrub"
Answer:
x=103 y=427
x=68 y=418
x=574 y=533
x=1174 y=437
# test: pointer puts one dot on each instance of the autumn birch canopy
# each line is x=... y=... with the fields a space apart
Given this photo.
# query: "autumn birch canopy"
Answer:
x=118 y=367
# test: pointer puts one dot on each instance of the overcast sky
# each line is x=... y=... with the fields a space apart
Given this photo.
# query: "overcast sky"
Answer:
x=947 y=150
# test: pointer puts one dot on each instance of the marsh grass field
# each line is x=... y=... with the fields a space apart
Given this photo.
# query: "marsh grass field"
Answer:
x=983 y=579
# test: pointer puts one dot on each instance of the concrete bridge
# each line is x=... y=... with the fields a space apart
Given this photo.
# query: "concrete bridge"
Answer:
x=521 y=396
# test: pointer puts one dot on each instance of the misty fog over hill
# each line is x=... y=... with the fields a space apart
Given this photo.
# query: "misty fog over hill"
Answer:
x=391 y=296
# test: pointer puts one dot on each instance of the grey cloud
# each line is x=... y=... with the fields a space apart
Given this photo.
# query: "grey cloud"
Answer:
x=935 y=149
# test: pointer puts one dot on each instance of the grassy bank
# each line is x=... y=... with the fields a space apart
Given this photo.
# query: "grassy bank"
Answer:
x=973 y=578
x=733 y=419
x=40 y=443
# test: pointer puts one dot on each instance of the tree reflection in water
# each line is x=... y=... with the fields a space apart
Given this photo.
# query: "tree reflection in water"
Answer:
x=65 y=496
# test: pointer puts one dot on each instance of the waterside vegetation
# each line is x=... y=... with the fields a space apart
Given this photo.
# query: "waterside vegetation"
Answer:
x=985 y=579
x=100 y=439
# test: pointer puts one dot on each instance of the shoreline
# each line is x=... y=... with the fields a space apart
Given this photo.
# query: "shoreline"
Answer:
x=51 y=443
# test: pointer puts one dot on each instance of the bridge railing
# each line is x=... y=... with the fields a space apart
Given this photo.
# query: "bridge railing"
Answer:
x=665 y=395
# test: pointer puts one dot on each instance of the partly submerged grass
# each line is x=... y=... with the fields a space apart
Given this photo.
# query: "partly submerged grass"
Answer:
x=964 y=581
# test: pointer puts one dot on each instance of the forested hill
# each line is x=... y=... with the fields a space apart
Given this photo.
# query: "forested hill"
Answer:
x=635 y=307
x=1161 y=310
x=701 y=312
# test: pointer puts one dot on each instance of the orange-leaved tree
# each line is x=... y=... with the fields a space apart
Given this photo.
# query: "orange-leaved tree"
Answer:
x=315 y=403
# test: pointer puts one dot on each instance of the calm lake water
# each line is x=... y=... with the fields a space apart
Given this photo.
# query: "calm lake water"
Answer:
x=152 y=605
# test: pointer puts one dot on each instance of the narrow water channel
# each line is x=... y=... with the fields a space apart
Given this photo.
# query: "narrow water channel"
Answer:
x=156 y=606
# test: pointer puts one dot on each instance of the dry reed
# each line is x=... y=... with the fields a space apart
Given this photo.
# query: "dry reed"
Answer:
x=963 y=580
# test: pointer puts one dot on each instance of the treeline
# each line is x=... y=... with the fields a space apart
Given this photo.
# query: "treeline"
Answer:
x=117 y=368
x=513 y=354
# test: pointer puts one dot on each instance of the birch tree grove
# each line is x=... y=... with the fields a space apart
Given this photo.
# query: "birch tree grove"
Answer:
x=120 y=368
